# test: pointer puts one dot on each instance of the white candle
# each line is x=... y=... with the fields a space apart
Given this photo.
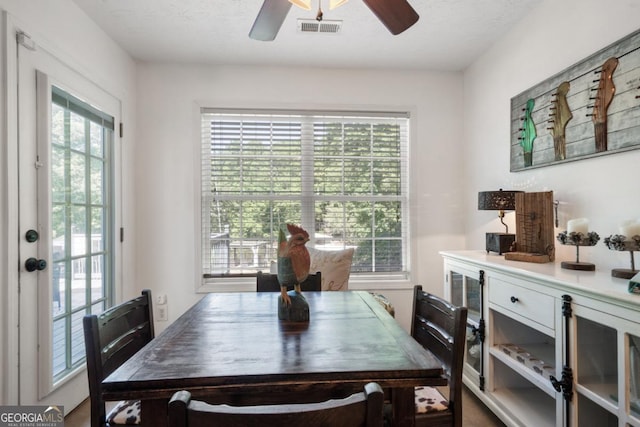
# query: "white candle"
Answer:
x=578 y=225
x=630 y=228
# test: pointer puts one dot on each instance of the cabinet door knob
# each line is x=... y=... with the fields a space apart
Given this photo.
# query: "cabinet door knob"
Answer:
x=514 y=300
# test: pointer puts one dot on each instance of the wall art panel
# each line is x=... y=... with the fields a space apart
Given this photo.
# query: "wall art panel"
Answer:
x=590 y=109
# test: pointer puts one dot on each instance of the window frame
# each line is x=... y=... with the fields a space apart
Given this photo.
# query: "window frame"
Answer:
x=359 y=280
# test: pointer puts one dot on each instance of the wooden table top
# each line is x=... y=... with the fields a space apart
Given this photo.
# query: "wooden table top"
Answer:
x=234 y=343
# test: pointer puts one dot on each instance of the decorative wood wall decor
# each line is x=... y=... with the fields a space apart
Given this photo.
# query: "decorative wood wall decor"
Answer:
x=534 y=228
x=590 y=109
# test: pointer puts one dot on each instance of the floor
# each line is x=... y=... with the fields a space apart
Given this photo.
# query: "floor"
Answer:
x=474 y=414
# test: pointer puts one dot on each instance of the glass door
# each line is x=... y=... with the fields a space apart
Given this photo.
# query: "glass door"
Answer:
x=607 y=368
x=634 y=377
x=66 y=222
x=466 y=290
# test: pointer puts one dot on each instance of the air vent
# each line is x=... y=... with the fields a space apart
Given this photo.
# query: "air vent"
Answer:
x=313 y=26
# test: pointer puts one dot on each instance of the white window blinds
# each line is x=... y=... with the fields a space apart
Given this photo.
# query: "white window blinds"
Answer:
x=342 y=176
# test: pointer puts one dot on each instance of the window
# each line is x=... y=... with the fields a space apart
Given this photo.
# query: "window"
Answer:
x=342 y=176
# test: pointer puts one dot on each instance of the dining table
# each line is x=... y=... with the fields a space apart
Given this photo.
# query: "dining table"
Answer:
x=231 y=348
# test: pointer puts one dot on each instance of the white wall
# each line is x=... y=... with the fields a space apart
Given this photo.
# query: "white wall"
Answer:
x=554 y=36
x=169 y=97
x=65 y=31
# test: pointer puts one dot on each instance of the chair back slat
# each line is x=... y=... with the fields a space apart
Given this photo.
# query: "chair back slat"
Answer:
x=111 y=338
x=122 y=348
x=360 y=409
x=267 y=282
x=127 y=315
x=437 y=340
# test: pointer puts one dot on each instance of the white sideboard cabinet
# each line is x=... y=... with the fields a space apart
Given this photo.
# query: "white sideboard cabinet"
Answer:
x=548 y=346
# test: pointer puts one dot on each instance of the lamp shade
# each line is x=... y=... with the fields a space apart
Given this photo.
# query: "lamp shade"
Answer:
x=497 y=200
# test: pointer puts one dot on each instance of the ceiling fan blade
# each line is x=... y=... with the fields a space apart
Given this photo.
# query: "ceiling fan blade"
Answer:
x=396 y=15
x=269 y=19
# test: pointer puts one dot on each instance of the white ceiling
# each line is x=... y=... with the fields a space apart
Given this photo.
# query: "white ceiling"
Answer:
x=450 y=34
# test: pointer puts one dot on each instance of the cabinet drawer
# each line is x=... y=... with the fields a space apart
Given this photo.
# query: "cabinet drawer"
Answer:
x=525 y=302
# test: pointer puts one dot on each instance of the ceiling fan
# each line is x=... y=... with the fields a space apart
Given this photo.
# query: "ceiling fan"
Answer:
x=396 y=15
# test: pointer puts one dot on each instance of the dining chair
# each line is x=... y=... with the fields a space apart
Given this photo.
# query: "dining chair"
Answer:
x=110 y=338
x=440 y=327
x=267 y=282
x=359 y=409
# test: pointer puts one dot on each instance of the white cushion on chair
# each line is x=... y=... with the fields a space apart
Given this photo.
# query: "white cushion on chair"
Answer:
x=429 y=399
x=335 y=267
x=384 y=302
x=126 y=412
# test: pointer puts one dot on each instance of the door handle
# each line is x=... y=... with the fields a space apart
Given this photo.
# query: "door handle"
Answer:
x=33 y=264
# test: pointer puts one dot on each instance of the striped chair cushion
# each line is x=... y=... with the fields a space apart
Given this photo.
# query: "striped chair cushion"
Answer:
x=126 y=412
x=429 y=399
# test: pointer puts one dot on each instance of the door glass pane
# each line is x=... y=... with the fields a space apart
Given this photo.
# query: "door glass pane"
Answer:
x=58 y=176
x=97 y=144
x=57 y=125
x=77 y=338
x=97 y=175
x=77 y=128
x=97 y=219
x=97 y=308
x=81 y=212
x=59 y=345
x=97 y=267
x=457 y=290
x=78 y=230
x=474 y=347
x=78 y=177
x=634 y=377
x=473 y=299
x=597 y=355
x=592 y=414
x=58 y=281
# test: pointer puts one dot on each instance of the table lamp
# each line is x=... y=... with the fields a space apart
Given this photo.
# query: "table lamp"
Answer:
x=498 y=201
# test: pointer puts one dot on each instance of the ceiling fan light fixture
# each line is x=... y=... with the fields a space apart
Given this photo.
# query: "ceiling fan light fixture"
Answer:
x=303 y=4
x=396 y=15
x=336 y=3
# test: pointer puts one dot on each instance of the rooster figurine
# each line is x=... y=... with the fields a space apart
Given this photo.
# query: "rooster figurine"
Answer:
x=293 y=260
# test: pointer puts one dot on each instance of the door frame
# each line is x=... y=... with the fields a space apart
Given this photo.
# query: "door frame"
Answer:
x=9 y=226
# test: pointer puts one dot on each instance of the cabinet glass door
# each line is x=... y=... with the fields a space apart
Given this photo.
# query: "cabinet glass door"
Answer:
x=597 y=370
x=597 y=357
x=457 y=288
x=474 y=304
x=465 y=291
x=474 y=314
x=634 y=377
